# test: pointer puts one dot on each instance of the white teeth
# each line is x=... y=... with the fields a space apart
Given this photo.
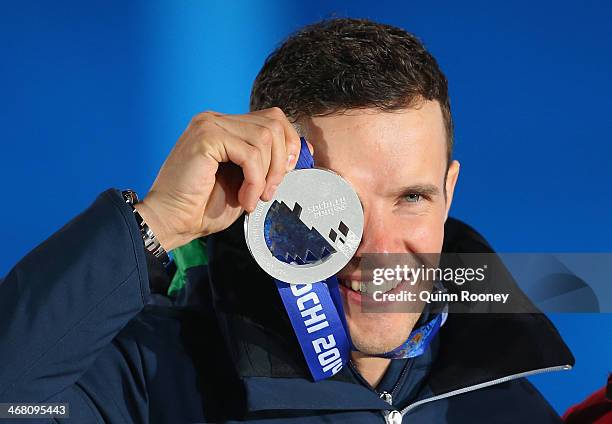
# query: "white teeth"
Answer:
x=354 y=285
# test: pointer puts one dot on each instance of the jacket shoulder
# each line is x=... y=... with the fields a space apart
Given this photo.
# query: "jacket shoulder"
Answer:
x=166 y=360
x=511 y=402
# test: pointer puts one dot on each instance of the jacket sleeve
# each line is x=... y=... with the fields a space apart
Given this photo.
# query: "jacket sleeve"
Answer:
x=68 y=298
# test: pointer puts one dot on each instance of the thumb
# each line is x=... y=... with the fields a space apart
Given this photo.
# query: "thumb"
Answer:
x=310 y=147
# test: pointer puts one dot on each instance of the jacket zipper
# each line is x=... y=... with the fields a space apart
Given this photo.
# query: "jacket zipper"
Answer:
x=486 y=384
x=401 y=377
x=393 y=416
x=390 y=417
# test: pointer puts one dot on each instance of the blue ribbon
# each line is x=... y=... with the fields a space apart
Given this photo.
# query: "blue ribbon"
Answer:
x=316 y=314
x=317 y=325
x=418 y=340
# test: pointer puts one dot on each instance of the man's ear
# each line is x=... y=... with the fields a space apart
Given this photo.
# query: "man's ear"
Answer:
x=451 y=180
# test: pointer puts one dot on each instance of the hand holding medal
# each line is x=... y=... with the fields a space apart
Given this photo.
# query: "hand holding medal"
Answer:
x=311 y=227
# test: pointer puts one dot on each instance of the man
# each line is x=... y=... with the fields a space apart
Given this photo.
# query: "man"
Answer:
x=374 y=106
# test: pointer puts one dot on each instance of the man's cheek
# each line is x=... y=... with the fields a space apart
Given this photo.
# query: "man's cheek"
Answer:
x=424 y=235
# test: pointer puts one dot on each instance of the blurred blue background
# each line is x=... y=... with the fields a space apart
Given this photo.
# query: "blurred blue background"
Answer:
x=94 y=95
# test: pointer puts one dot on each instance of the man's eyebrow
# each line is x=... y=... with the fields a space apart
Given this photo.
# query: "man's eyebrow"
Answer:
x=425 y=189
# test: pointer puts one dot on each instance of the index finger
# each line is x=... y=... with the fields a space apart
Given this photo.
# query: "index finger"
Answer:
x=292 y=138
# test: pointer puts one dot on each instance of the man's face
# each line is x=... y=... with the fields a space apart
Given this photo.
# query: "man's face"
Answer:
x=396 y=161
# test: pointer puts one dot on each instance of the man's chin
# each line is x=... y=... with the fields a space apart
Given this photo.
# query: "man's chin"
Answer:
x=380 y=333
x=376 y=348
x=375 y=333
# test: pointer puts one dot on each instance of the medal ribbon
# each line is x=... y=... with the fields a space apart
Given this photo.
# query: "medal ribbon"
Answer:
x=316 y=313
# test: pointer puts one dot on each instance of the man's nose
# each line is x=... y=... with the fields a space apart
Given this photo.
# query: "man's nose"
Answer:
x=378 y=235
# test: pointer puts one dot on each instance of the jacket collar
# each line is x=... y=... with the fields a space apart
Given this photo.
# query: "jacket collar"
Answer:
x=266 y=393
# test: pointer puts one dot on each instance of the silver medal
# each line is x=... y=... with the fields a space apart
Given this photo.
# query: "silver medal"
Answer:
x=310 y=229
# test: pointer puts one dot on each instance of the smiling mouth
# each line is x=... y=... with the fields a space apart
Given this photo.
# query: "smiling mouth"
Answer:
x=368 y=288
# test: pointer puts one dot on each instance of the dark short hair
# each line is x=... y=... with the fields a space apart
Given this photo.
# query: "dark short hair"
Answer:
x=341 y=64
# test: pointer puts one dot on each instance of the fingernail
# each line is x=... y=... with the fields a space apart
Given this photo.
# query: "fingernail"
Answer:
x=290 y=159
x=270 y=193
x=273 y=190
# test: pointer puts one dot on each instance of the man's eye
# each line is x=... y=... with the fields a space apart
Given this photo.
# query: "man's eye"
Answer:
x=412 y=197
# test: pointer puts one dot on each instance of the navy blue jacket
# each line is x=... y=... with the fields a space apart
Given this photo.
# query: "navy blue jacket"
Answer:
x=80 y=323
